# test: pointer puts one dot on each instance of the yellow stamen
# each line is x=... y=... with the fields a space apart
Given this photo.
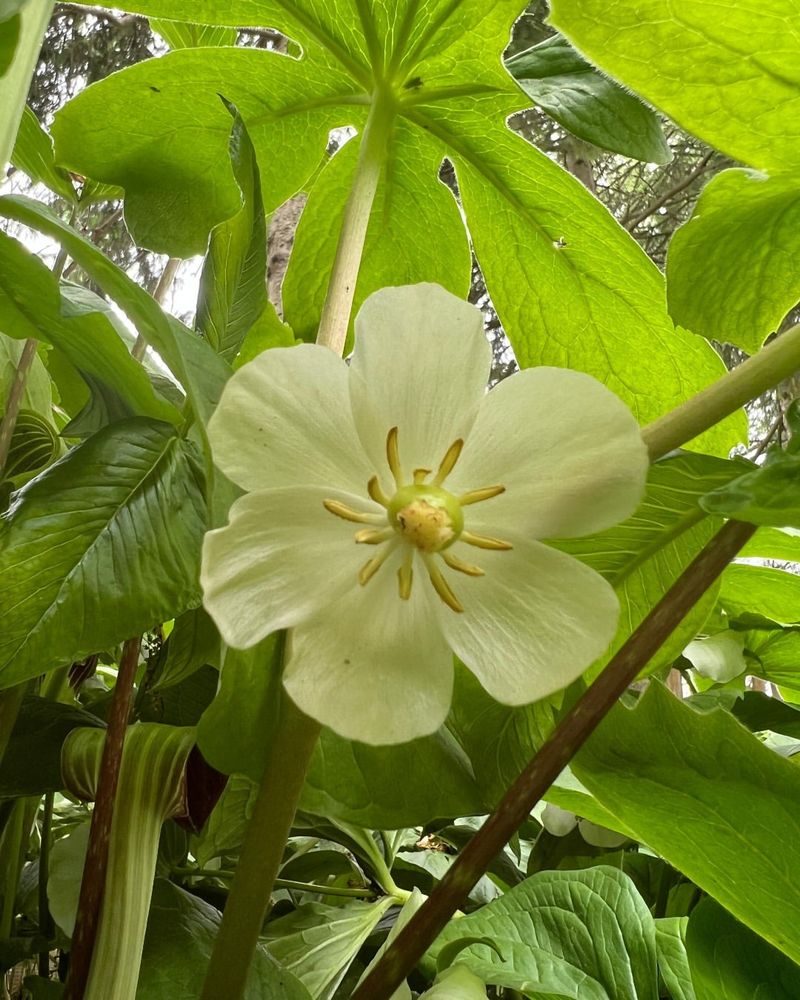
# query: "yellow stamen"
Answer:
x=393 y=456
x=440 y=585
x=485 y=541
x=420 y=475
x=369 y=569
x=455 y=563
x=475 y=496
x=374 y=536
x=348 y=514
x=405 y=575
x=377 y=494
x=449 y=460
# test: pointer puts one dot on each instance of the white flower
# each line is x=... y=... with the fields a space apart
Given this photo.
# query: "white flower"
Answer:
x=392 y=514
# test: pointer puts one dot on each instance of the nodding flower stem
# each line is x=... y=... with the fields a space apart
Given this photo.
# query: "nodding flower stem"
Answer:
x=335 y=318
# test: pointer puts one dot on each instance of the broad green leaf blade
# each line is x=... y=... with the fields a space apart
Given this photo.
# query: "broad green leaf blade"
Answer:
x=769 y=495
x=102 y=546
x=584 y=935
x=774 y=654
x=579 y=293
x=82 y=326
x=201 y=372
x=415 y=232
x=756 y=590
x=736 y=801
x=772 y=543
x=38 y=393
x=186 y=35
x=317 y=943
x=172 y=158
x=760 y=712
x=33 y=154
x=393 y=786
x=728 y=73
x=731 y=273
x=729 y=962
x=180 y=936
x=587 y=103
x=673 y=962
x=233 y=285
x=21 y=36
x=193 y=643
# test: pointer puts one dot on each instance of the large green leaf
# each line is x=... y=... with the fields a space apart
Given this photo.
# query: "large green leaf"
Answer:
x=767 y=495
x=673 y=962
x=201 y=372
x=731 y=273
x=585 y=935
x=415 y=232
x=233 y=285
x=727 y=72
x=185 y=35
x=180 y=936
x=578 y=292
x=772 y=543
x=317 y=943
x=81 y=325
x=729 y=962
x=774 y=654
x=33 y=153
x=100 y=547
x=711 y=799
x=587 y=103
x=757 y=590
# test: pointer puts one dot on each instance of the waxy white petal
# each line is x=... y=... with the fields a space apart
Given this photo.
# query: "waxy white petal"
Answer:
x=284 y=420
x=281 y=559
x=421 y=364
x=532 y=624
x=568 y=451
x=372 y=667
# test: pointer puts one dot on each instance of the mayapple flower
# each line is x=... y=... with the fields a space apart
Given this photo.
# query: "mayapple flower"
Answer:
x=393 y=514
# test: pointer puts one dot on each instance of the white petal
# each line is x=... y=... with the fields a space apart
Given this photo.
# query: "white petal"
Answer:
x=568 y=451
x=373 y=668
x=532 y=624
x=284 y=419
x=557 y=821
x=281 y=558
x=421 y=364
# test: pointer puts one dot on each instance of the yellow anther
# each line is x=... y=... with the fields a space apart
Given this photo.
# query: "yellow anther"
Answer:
x=373 y=536
x=420 y=475
x=485 y=541
x=348 y=514
x=475 y=496
x=405 y=575
x=377 y=494
x=369 y=569
x=455 y=563
x=448 y=462
x=440 y=585
x=393 y=456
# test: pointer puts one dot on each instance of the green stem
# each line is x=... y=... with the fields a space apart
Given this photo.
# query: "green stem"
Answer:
x=774 y=363
x=284 y=883
x=262 y=853
x=552 y=757
x=14 y=401
x=45 y=920
x=335 y=318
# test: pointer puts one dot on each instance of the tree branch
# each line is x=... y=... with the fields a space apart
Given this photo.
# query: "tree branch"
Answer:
x=631 y=223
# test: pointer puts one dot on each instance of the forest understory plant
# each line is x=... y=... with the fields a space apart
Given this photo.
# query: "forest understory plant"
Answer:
x=382 y=600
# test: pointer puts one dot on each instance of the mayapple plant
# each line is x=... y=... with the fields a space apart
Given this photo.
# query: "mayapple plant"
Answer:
x=371 y=590
x=404 y=454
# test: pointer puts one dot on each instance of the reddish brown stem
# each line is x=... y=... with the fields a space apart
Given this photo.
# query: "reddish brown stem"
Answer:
x=553 y=756
x=94 y=871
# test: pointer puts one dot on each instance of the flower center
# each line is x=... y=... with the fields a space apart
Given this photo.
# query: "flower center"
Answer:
x=424 y=518
x=428 y=516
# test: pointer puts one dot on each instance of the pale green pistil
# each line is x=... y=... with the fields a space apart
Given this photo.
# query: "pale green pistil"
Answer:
x=422 y=517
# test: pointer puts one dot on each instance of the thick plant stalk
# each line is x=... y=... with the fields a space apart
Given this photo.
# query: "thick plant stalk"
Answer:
x=159 y=294
x=14 y=401
x=553 y=756
x=152 y=787
x=335 y=317
x=774 y=363
x=262 y=852
x=93 y=883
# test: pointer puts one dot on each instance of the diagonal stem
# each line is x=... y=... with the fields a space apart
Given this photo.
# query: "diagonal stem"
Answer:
x=552 y=757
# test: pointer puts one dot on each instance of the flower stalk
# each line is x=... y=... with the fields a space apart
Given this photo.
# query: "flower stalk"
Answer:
x=335 y=318
x=262 y=853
